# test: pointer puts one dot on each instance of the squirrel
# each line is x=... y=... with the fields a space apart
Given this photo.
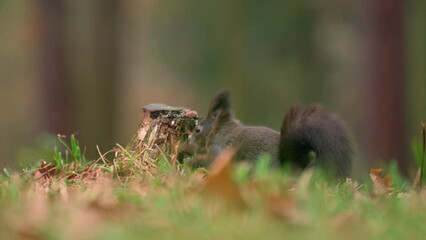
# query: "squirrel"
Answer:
x=309 y=137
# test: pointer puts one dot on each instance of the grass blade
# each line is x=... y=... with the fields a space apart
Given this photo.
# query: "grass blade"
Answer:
x=423 y=152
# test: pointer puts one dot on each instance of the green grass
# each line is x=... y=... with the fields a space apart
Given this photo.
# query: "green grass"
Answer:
x=71 y=198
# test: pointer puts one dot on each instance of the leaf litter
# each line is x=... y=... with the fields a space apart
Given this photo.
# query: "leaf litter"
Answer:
x=62 y=202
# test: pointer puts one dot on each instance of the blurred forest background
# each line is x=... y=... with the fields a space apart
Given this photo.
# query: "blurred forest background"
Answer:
x=88 y=66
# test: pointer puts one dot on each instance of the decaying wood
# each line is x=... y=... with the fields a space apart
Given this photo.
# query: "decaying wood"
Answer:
x=162 y=129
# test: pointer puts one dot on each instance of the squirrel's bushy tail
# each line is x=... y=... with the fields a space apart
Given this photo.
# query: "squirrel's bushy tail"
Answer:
x=311 y=136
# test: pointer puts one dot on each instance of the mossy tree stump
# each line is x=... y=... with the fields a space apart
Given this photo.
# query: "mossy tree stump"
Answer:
x=162 y=129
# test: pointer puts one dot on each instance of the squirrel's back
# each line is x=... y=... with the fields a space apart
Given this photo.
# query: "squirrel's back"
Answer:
x=251 y=142
x=254 y=142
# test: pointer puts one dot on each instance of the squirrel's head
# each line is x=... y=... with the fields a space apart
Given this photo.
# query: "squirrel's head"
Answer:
x=219 y=113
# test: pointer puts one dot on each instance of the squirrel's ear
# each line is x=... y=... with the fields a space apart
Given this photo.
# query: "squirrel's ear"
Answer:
x=220 y=104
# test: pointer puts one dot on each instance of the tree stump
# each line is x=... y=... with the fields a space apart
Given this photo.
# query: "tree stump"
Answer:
x=162 y=129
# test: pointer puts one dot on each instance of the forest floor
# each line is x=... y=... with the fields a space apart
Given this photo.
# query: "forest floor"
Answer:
x=70 y=198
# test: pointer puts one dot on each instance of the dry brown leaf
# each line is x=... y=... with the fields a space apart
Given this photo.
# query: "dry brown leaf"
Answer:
x=382 y=182
x=222 y=162
x=280 y=206
x=200 y=175
x=45 y=172
x=219 y=181
x=284 y=207
x=89 y=175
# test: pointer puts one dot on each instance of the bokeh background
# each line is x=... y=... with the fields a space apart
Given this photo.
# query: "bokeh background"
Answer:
x=88 y=66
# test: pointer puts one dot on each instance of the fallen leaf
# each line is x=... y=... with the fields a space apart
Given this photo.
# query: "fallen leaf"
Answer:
x=382 y=182
x=200 y=175
x=219 y=181
x=280 y=206
x=46 y=170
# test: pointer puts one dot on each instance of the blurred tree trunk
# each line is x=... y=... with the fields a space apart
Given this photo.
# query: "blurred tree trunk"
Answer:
x=386 y=90
x=79 y=57
x=54 y=80
x=96 y=72
x=107 y=65
x=416 y=52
